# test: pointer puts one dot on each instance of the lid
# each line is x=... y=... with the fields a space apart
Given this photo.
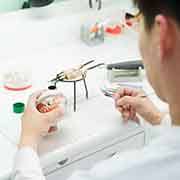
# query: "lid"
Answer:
x=52 y=87
x=18 y=107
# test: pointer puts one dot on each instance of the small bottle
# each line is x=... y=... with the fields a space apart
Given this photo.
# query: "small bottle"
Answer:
x=49 y=101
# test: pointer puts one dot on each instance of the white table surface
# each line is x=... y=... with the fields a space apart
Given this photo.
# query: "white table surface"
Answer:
x=44 y=47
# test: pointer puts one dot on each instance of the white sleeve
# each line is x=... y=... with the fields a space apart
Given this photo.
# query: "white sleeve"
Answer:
x=115 y=167
x=155 y=131
x=166 y=121
x=27 y=165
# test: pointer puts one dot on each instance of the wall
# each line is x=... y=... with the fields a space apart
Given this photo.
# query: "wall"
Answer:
x=13 y=5
x=9 y=5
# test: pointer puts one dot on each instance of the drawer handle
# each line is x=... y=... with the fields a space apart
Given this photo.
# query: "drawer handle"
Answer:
x=63 y=162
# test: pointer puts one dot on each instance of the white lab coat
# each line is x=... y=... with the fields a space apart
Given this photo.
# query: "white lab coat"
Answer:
x=159 y=160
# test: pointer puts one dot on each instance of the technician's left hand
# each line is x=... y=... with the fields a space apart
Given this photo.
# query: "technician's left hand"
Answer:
x=36 y=124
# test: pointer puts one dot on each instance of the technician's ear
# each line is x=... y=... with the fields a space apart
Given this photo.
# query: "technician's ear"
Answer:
x=166 y=34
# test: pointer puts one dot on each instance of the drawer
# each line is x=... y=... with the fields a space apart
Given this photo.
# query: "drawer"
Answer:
x=87 y=162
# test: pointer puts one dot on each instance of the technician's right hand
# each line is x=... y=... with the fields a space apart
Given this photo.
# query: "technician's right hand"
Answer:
x=36 y=124
x=130 y=102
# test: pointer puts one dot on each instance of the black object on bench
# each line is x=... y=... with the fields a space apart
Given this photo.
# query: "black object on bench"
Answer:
x=129 y=65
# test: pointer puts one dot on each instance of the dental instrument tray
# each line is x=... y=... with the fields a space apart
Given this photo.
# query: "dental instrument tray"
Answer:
x=125 y=71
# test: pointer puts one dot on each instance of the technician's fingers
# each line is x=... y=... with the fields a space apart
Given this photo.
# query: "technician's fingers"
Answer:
x=132 y=113
x=37 y=94
x=137 y=92
x=32 y=101
x=55 y=114
x=33 y=98
x=127 y=101
x=57 y=100
x=129 y=115
x=125 y=92
x=120 y=93
x=128 y=91
x=120 y=109
x=136 y=119
x=116 y=96
x=126 y=115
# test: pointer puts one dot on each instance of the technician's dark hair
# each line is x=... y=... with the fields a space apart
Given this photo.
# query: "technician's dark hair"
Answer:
x=151 y=8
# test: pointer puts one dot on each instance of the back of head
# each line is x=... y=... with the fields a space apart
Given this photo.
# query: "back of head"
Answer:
x=151 y=8
x=160 y=47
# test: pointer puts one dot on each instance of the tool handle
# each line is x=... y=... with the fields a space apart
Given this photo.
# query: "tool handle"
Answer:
x=93 y=67
x=87 y=63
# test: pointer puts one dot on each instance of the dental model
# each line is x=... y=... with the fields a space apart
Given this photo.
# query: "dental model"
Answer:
x=73 y=74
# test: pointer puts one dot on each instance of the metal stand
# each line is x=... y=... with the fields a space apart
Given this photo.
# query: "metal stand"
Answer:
x=75 y=90
x=60 y=77
x=86 y=89
x=75 y=96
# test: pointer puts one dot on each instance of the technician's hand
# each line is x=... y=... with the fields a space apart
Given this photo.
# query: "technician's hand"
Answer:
x=36 y=124
x=131 y=101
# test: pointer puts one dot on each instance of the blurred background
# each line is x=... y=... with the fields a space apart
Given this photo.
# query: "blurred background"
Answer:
x=14 y=5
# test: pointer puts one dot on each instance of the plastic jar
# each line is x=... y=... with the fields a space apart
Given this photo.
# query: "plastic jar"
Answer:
x=48 y=101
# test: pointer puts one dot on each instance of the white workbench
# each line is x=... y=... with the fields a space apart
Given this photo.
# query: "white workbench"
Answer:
x=45 y=46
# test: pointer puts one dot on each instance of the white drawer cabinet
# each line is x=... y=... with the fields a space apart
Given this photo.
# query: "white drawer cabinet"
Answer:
x=65 y=169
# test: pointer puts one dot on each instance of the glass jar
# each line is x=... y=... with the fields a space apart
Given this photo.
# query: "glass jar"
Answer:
x=50 y=100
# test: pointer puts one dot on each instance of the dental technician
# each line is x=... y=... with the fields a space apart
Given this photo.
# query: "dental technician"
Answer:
x=160 y=49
